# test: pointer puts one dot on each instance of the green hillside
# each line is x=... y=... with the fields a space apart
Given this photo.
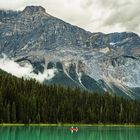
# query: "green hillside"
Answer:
x=27 y=101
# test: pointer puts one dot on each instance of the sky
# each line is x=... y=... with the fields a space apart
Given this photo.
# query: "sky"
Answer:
x=93 y=15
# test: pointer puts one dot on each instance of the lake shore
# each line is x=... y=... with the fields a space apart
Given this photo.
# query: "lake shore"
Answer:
x=47 y=125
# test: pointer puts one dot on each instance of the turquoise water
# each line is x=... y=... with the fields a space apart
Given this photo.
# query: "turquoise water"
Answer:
x=63 y=133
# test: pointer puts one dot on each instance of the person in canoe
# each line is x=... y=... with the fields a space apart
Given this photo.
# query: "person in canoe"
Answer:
x=74 y=129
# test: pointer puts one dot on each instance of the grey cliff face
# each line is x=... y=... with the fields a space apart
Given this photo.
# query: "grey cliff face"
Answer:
x=34 y=9
x=92 y=61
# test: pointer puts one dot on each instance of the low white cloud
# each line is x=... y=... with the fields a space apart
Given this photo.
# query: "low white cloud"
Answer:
x=26 y=71
x=14 y=68
x=94 y=15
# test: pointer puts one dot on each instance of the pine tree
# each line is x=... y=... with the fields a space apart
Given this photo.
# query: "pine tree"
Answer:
x=13 y=112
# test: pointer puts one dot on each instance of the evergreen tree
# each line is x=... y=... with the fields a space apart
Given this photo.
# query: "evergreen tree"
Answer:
x=13 y=112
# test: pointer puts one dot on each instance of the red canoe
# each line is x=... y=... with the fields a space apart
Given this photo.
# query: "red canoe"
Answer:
x=72 y=129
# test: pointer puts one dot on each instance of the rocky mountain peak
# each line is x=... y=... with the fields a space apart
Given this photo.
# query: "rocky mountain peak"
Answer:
x=34 y=10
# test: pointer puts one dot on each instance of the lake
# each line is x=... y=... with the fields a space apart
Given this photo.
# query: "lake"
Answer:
x=64 y=133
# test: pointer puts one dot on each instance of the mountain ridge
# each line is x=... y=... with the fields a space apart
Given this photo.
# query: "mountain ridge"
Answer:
x=33 y=37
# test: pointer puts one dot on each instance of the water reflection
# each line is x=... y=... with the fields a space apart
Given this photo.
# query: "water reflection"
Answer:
x=63 y=133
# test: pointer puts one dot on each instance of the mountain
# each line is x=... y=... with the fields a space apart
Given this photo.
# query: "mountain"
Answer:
x=70 y=56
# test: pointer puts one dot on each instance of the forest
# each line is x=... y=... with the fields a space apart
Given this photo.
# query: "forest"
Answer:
x=28 y=101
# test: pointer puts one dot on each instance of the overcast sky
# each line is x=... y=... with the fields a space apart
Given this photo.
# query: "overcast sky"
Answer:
x=93 y=15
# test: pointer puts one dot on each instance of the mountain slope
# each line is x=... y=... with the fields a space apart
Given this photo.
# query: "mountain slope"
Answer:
x=68 y=55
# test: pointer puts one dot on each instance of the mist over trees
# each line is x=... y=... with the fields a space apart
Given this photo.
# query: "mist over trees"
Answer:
x=27 y=101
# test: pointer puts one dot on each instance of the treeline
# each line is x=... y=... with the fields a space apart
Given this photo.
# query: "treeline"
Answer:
x=27 y=101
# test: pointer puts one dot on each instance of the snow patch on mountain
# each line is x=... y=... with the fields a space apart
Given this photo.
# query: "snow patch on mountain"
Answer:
x=112 y=43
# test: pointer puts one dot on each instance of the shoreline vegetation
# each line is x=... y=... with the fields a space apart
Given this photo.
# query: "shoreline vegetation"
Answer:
x=86 y=125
